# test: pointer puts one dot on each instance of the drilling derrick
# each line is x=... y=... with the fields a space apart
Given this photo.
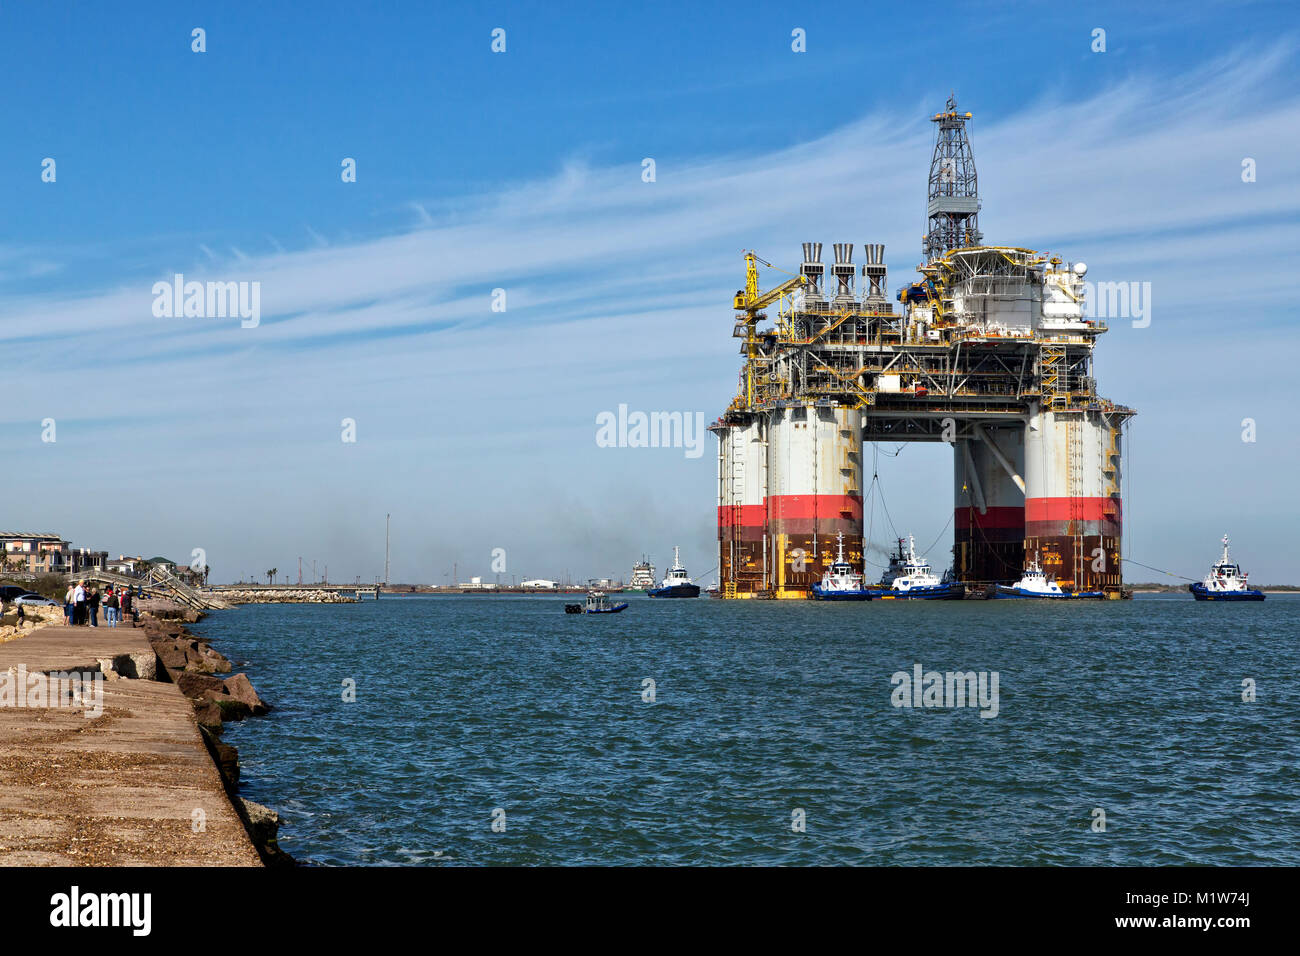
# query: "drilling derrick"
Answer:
x=954 y=204
x=991 y=352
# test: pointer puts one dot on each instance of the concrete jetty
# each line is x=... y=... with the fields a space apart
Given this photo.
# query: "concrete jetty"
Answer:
x=132 y=786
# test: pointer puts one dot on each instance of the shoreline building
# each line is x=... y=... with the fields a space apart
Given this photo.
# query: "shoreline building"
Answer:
x=125 y=565
x=991 y=351
x=27 y=552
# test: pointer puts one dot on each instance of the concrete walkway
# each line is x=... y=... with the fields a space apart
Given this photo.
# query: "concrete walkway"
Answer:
x=114 y=790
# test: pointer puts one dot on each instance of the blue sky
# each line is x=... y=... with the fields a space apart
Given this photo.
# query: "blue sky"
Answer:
x=522 y=171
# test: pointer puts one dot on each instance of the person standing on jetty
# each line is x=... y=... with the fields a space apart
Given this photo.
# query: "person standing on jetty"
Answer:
x=92 y=605
x=110 y=607
x=69 y=605
x=79 y=600
x=127 y=607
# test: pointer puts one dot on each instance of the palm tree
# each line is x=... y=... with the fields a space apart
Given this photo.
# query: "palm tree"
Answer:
x=206 y=569
x=270 y=576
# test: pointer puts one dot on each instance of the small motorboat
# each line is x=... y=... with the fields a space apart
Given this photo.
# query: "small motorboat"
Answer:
x=597 y=603
x=1034 y=584
x=1225 y=582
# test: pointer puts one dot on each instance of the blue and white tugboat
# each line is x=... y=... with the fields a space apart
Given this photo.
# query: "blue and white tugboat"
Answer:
x=1225 y=582
x=910 y=578
x=1034 y=584
x=676 y=583
x=841 y=582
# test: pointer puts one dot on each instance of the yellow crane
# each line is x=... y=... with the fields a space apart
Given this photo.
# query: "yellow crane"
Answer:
x=751 y=302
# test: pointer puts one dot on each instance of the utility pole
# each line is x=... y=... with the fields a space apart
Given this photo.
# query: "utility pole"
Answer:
x=300 y=570
x=387 y=520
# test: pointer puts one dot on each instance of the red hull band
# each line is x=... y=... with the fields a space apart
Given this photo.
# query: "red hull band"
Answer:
x=797 y=507
x=1072 y=509
x=742 y=516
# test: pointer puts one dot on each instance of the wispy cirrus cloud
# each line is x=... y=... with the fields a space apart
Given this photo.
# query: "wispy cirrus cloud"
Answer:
x=1143 y=156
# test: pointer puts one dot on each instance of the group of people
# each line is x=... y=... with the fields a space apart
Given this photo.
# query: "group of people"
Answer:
x=81 y=605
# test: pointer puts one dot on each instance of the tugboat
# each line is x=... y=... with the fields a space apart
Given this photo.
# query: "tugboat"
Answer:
x=597 y=603
x=841 y=582
x=1225 y=582
x=910 y=578
x=676 y=583
x=1034 y=584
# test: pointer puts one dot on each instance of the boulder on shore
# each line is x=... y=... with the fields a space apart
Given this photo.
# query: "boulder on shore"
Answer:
x=264 y=828
x=227 y=706
x=208 y=714
x=196 y=685
x=240 y=688
x=234 y=698
x=303 y=595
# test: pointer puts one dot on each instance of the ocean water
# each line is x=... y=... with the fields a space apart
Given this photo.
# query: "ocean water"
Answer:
x=472 y=706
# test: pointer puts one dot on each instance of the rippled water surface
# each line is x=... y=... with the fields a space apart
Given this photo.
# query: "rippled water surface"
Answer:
x=469 y=704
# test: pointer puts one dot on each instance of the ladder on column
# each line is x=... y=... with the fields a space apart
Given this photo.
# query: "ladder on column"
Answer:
x=1051 y=361
x=1074 y=465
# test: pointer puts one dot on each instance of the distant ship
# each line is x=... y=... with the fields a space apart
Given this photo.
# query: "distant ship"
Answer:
x=1034 y=584
x=676 y=583
x=643 y=576
x=1225 y=582
x=841 y=582
x=910 y=578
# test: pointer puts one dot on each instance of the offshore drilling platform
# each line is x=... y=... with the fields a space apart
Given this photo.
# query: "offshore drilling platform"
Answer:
x=991 y=352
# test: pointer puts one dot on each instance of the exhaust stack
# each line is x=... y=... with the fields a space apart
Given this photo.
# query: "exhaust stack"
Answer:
x=843 y=271
x=813 y=270
x=875 y=272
